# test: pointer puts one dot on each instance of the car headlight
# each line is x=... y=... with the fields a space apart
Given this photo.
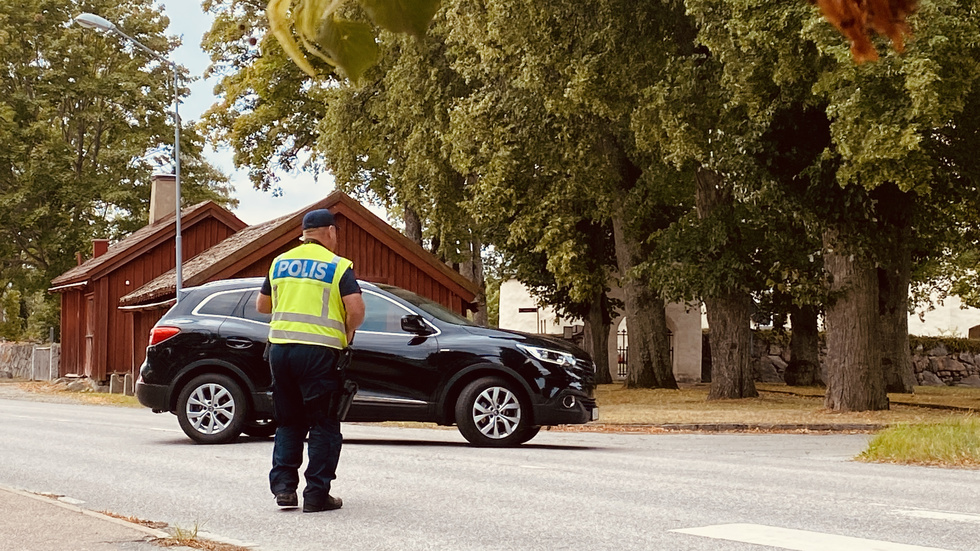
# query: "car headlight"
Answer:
x=548 y=355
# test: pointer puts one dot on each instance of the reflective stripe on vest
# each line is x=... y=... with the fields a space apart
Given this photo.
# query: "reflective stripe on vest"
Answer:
x=323 y=319
x=306 y=302
x=305 y=338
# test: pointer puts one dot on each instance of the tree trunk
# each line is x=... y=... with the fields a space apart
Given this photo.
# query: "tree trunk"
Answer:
x=896 y=358
x=472 y=269
x=804 y=348
x=855 y=381
x=596 y=340
x=648 y=364
x=728 y=311
x=413 y=225
x=894 y=271
x=731 y=368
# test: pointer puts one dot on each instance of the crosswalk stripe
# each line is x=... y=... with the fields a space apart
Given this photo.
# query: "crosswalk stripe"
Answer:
x=798 y=540
x=939 y=515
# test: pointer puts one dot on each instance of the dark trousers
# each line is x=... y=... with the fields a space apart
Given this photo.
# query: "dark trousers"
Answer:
x=302 y=377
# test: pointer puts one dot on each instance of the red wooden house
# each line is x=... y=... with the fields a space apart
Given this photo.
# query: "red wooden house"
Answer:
x=97 y=338
x=381 y=254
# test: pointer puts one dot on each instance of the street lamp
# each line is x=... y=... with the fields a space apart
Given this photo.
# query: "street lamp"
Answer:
x=92 y=21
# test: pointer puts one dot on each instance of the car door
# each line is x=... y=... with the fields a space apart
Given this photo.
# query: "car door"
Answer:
x=243 y=337
x=396 y=381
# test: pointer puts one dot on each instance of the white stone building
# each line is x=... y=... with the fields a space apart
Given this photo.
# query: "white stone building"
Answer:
x=519 y=312
x=950 y=318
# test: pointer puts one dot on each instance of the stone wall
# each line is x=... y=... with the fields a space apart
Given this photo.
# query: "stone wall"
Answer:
x=936 y=366
x=770 y=358
x=29 y=361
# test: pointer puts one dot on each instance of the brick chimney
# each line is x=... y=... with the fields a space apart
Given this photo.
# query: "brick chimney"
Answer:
x=99 y=247
x=162 y=196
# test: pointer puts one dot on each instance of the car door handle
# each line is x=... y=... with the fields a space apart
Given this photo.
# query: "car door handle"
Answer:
x=238 y=342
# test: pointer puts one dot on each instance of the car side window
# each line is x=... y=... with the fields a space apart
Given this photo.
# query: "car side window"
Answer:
x=381 y=315
x=221 y=304
x=251 y=313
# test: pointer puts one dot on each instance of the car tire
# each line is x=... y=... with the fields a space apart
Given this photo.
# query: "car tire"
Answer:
x=491 y=412
x=528 y=434
x=211 y=409
x=263 y=428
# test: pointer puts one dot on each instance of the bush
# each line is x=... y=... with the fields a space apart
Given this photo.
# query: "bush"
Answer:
x=952 y=344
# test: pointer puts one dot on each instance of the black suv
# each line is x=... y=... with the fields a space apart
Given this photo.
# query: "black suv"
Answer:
x=413 y=360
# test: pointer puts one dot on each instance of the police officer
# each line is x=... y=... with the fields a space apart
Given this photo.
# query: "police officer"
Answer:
x=316 y=306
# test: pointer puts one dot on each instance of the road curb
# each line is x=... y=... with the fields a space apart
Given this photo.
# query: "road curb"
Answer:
x=723 y=428
x=151 y=532
x=75 y=508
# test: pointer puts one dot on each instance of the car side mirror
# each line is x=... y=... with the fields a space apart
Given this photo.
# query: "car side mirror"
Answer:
x=413 y=323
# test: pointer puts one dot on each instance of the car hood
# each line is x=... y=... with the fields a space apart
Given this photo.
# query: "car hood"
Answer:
x=529 y=340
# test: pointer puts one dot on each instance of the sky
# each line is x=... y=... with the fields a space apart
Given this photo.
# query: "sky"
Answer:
x=188 y=21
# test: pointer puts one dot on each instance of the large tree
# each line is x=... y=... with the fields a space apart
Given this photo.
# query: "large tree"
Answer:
x=884 y=124
x=382 y=138
x=82 y=116
x=550 y=123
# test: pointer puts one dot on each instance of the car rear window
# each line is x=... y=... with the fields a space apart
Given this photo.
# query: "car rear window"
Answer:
x=251 y=313
x=221 y=304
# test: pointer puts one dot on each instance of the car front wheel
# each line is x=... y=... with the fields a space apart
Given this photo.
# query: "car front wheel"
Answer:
x=212 y=409
x=490 y=413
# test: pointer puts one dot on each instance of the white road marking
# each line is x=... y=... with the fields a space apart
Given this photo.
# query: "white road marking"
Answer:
x=939 y=515
x=799 y=540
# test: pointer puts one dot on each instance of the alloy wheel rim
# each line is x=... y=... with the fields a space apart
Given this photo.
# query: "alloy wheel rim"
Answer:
x=497 y=412
x=210 y=408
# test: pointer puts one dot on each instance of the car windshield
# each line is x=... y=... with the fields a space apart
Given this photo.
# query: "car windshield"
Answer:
x=433 y=308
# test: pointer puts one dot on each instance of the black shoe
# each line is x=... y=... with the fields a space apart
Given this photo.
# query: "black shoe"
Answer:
x=287 y=499
x=329 y=505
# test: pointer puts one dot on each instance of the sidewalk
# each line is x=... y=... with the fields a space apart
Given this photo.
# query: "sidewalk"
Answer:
x=30 y=522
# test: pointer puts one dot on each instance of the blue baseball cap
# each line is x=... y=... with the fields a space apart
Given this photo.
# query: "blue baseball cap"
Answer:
x=317 y=219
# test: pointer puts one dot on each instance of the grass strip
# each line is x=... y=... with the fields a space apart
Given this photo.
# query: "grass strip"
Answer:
x=954 y=442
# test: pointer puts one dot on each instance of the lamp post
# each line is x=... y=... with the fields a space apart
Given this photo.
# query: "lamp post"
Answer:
x=92 y=21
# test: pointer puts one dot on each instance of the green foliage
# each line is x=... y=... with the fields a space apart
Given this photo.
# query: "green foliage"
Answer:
x=28 y=317
x=269 y=109
x=402 y=16
x=390 y=139
x=344 y=43
x=12 y=324
x=954 y=345
x=81 y=115
x=532 y=126
x=349 y=44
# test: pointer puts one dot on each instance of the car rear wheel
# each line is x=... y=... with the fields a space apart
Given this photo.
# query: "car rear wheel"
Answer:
x=263 y=428
x=490 y=413
x=212 y=409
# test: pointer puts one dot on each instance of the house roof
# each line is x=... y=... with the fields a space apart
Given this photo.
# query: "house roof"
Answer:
x=144 y=239
x=254 y=242
x=202 y=267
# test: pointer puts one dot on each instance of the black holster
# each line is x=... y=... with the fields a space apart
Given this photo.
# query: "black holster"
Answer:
x=344 y=399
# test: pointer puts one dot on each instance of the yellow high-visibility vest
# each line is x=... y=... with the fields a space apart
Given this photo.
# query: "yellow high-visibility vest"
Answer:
x=306 y=304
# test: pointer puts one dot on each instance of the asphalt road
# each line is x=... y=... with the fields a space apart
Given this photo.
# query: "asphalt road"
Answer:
x=427 y=489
